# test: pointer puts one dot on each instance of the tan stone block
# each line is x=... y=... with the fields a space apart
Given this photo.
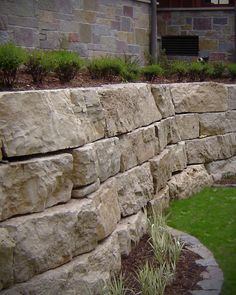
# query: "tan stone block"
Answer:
x=142 y=36
x=179 y=157
x=161 y=200
x=85 y=32
x=223 y=168
x=85 y=16
x=188 y=126
x=208 y=44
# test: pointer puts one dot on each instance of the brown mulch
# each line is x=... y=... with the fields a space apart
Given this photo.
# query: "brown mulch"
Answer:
x=227 y=181
x=187 y=276
x=83 y=79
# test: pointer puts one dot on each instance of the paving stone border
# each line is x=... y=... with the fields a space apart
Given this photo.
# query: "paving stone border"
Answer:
x=212 y=277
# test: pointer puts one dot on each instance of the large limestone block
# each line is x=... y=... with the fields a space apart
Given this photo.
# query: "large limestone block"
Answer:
x=35 y=122
x=85 y=190
x=7 y=246
x=222 y=168
x=107 y=208
x=128 y=107
x=96 y=160
x=168 y=133
x=138 y=147
x=232 y=97
x=130 y=230
x=163 y=99
x=161 y=200
x=192 y=180
x=33 y=185
x=211 y=148
x=135 y=189
x=217 y=123
x=178 y=156
x=49 y=239
x=188 y=126
x=199 y=97
x=88 y=109
x=161 y=169
x=84 y=275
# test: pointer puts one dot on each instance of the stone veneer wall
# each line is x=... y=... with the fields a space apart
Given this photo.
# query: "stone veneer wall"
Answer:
x=90 y=27
x=79 y=165
x=215 y=29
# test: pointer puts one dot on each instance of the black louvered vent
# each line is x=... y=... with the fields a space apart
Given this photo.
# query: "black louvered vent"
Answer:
x=181 y=45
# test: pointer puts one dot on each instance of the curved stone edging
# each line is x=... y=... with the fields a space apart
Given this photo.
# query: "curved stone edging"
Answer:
x=212 y=277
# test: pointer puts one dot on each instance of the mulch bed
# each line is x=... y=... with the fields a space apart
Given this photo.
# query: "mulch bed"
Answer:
x=227 y=181
x=83 y=79
x=187 y=276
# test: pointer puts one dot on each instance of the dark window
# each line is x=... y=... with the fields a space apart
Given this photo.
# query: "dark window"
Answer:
x=194 y=3
x=181 y=45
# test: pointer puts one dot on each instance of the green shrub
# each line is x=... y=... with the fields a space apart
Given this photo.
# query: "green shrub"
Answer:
x=197 y=71
x=152 y=71
x=130 y=69
x=11 y=58
x=179 y=68
x=116 y=287
x=215 y=70
x=38 y=65
x=65 y=64
x=232 y=70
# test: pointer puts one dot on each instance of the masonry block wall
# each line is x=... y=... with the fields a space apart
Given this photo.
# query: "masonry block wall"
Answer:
x=215 y=29
x=78 y=166
x=92 y=28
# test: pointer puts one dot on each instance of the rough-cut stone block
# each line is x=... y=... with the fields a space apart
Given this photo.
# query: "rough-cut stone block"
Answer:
x=130 y=230
x=199 y=97
x=188 y=126
x=222 y=168
x=33 y=185
x=86 y=190
x=135 y=189
x=217 y=123
x=128 y=107
x=138 y=147
x=163 y=99
x=168 y=132
x=86 y=274
x=49 y=239
x=202 y=23
x=7 y=246
x=178 y=157
x=232 y=97
x=107 y=208
x=88 y=109
x=161 y=200
x=210 y=149
x=38 y=122
x=161 y=168
x=191 y=180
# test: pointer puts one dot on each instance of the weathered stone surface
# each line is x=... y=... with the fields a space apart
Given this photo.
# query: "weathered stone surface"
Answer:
x=135 y=189
x=199 y=97
x=138 y=146
x=33 y=185
x=49 y=239
x=190 y=181
x=107 y=208
x=84 y=275
x=168 y=132
x=128 y=107
x=161 y=169
x=178 y=157
x=38 y=122
x=96 y=160
x=217 y=123
x=222 y=168
x=7 y=246
x=88 y=109
x=130 y=230
x=161 y=200
x=163 y=99
x=210 y=149
x=188 y=126
x=232 y=97
x=86 y=190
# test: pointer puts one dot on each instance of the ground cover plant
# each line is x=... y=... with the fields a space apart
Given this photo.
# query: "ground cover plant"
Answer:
x=211 y=217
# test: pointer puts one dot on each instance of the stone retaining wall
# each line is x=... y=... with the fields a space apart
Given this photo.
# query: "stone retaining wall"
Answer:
x=79 y=165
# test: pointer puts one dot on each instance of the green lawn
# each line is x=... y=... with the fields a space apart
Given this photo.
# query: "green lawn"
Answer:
x=211 y=217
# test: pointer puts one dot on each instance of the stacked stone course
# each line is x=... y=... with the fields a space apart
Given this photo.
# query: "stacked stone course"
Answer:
x=78 y=167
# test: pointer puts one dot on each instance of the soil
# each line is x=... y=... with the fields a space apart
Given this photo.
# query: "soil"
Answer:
x=227 y=181
x=83 y=79
x=187 y=275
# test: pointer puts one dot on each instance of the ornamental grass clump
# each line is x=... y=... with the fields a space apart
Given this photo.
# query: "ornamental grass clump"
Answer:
x=153 y=71
x=232 y=71
x=197 y=71
x=116 y=287
x=11 y=58
x=65 y=64
x=179 y=68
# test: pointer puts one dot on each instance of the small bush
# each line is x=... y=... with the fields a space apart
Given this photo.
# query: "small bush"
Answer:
x=179 y=68
x=11 y=58
x=152 y=71
x=130 y=69
x=215 y=70
x=65 y=64
x=232 y=70
x=38 y=65
x=197 y=71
